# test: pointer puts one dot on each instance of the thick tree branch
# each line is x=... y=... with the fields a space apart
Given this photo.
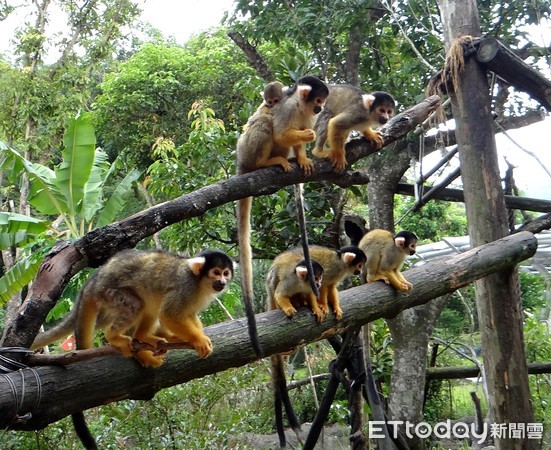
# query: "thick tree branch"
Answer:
x=99 y=244
x=50 y=393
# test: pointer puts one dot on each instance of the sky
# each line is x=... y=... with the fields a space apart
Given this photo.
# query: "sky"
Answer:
x=182 y=18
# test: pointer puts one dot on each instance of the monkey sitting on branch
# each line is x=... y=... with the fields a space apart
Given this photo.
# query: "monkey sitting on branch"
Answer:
x=287 y=285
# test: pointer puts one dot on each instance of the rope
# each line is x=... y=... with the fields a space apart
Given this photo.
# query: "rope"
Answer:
x=20 y=400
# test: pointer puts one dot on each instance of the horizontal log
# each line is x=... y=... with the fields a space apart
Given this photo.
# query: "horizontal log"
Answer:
x=458 y=372
x=32 y=398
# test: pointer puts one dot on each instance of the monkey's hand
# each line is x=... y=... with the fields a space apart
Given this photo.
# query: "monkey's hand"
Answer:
x=308 y=135
x=374 y=136
x=294 y=136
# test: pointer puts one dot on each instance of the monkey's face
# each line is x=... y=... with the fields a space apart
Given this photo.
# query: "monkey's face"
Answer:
x=382 y=113
x=318 y=279
x=411 y=248
x=317 y=104
x=406 y=244
x=358 y=268
x=220 y=278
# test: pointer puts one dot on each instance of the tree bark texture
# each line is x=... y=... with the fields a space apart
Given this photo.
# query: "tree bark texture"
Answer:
x=50 y=393
x=497 y=296
x=98 y=245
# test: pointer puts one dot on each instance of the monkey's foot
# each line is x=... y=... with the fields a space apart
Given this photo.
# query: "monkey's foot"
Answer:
x=373 y=278
x=152 y=340
x=336 y=155
x=320 y=153
x=306 y=165
x=318 y=314
x=147 y=359
x=289 y=311
x=203 y=346
x=339 y=163
x=338 y=313
x=404 y=286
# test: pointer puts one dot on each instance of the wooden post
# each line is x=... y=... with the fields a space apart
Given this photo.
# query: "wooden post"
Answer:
x=497 y=296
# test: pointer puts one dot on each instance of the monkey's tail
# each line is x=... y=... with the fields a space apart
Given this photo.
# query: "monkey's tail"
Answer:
x=83 y=432
x=61 y=330
x=245 y=260
x=281 y=399
x=304 y=238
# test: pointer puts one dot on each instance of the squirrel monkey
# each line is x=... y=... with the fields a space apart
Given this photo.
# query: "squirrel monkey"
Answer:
x=337 y=264
x=385 y=254
x=267 y=140
x=149 y=295
x=288 y=287
x=350 y=108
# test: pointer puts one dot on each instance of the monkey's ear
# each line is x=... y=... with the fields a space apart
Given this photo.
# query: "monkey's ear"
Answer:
x=196 y=264
x=400 y=242
x=303 y=90
x=368 y=100
x=348 y=257
x=301 y=271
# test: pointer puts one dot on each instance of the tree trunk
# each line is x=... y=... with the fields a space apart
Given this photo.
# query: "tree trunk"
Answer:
x=497 y=296
x=50 y=393
x=411 y=329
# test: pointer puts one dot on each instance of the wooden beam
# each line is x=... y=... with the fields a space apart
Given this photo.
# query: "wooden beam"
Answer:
x=458 y=372
x=495 y=56
x=456 y=195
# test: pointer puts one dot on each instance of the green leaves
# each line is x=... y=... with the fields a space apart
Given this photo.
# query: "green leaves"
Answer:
x=73 y=173
x=73 y=193
x=74 y=190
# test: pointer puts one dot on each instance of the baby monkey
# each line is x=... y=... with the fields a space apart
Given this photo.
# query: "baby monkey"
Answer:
x=337 y=264
x=288 y=287
x=281 y=124
x=385 y=254
x=150 y=296
x=350 y=108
